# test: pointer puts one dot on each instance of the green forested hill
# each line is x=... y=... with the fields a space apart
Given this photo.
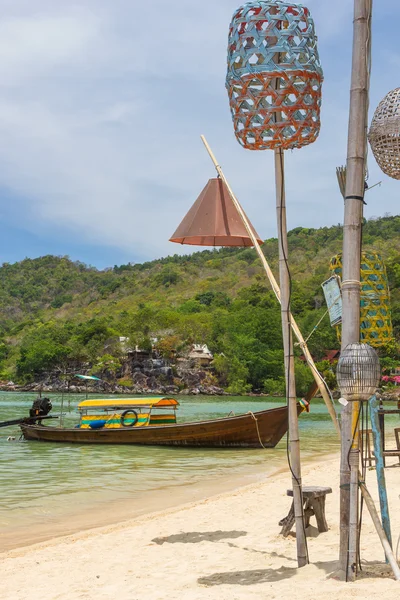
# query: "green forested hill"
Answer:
x=55 y=312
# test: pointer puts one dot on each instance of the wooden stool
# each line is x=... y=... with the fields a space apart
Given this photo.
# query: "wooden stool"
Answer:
x=314 y=505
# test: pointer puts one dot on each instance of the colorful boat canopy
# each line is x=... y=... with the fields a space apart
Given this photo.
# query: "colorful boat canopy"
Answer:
x=128 y=403
x=91 y=377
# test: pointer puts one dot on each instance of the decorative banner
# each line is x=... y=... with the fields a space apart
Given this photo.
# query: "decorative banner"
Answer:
x=274 y=76
x=333 y=298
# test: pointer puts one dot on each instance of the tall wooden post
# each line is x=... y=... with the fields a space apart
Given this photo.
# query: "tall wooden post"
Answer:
x=290 y=379
x=353 y=215
x=274 y=32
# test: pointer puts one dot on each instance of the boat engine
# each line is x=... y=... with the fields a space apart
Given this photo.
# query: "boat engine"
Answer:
x=40 y=407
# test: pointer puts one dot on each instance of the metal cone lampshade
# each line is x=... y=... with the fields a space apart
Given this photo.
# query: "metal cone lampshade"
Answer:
x=213 y=220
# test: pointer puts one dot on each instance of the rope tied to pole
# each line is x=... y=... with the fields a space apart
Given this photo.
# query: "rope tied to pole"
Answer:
x=314 y=329
x=350 y=282
x=360 y=198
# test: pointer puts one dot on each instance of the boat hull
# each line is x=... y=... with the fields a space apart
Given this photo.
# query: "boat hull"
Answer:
x=241 y=431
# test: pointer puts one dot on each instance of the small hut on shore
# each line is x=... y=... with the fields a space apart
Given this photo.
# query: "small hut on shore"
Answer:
x=201 y=355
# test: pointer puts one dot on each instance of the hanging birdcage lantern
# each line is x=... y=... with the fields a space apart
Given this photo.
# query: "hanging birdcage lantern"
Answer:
x=384 y=134
x=358 y=372
x=274 y=76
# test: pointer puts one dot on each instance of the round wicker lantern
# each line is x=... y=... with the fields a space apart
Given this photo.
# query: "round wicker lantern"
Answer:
x=274 y=76
x=384 y=134
x=358 y=372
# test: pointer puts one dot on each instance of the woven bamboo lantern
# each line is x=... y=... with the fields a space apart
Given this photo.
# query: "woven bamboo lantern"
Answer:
x=375 y=314
x=384 y=134
x=274 y=76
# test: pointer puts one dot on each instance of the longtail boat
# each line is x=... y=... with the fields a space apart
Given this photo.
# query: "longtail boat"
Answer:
x=152 y=421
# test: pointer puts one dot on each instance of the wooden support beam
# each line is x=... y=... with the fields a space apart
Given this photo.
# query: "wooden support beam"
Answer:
x=352 y=229
x=294 y=439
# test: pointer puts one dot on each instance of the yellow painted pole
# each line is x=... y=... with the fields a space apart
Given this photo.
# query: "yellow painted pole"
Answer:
x=353 y=460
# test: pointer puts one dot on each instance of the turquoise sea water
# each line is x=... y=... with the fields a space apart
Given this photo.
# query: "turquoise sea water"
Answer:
x=43 y=484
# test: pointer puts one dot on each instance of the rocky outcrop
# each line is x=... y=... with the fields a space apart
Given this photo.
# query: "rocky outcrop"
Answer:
x=148 y=376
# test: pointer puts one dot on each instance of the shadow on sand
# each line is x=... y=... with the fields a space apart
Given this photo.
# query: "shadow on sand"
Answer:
x=260 y=575
x=195 y=537
x=247 y=577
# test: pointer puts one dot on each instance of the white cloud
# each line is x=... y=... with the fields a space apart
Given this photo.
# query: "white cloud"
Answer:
x=34 y=47
x=101 y=109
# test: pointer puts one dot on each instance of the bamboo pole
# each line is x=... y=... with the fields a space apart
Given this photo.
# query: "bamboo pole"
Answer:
x=275 y=287
x=380 y=531
x=353 y=215
x=354 y=459
x=284 y=277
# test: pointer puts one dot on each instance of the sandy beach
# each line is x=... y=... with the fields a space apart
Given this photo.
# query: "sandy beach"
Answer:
x=226 y=546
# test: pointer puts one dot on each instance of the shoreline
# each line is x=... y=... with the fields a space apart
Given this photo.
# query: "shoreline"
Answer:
x=225 y=545
x=392 y=395
x=226 y=487
x=87 y=520
x=36 y=388
x=119 y=511
x=178 y=495
x=132 y=521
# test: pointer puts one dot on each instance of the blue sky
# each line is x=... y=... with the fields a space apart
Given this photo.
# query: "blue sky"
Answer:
x=101 y=108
